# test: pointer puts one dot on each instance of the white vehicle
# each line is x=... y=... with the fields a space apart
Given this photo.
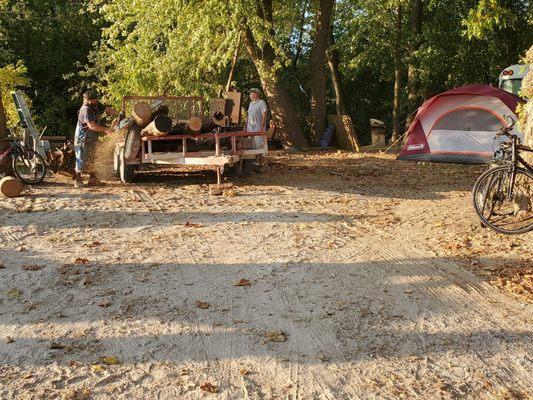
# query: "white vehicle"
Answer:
x=511 y=78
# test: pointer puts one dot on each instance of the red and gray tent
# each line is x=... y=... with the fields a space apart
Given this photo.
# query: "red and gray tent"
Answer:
x=460 y=125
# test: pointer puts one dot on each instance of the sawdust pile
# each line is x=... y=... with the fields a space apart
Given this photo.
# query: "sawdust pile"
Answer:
x=103 y=158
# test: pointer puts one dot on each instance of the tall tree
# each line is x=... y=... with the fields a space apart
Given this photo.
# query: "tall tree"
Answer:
x=333 y=58
x=51 y=37
x=3 y=119
x=398 y=72
x=417 y=15
x=184 y=48
x=317 y=61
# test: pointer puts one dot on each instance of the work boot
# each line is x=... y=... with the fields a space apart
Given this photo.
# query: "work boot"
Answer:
x=78 y=180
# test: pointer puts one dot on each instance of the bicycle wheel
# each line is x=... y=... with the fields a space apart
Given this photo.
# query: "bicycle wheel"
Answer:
x=497 y=209
x=29 y=167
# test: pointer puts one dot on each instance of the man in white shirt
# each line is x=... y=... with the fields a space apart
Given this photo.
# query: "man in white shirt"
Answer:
x=257 y=115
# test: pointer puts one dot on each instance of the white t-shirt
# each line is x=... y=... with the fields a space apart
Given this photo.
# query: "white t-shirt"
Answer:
x=255 y=115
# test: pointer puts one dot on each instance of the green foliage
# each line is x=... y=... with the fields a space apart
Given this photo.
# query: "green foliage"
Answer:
x=12 y=77
x=178 y=47
x=488 y=16
x=184 y=47
x=52 y=38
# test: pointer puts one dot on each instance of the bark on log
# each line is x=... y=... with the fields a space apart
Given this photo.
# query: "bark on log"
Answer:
x=11 y=187
x=142 y=114
x=160 y=126
x=161 y=110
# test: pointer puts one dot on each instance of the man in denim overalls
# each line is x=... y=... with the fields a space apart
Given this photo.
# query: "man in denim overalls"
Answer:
x=86 y=135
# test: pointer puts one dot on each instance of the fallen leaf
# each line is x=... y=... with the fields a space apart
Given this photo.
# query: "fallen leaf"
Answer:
x=81 y=261
x=229 y=193
x=110 y=360
x=243 y=282
x=32 y=267
x=14 y=293
x=77 y=394
x=244 y=371
x=202 y=304
x=97 y=368
x=209 y=387
x=192 y=225
x=276 y=336
x=92 y=244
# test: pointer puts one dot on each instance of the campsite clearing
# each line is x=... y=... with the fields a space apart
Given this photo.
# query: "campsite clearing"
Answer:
x=316 y=279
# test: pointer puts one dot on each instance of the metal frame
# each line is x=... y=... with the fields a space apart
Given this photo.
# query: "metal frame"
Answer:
x=218 y=158
x=30 y=131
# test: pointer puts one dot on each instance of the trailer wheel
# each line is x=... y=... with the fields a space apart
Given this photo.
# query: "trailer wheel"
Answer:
x=246 y=168
x=243 y=168
x=133 y=142
x=127 y=172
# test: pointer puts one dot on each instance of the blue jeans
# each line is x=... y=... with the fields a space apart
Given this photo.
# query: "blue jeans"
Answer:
x=84 y=146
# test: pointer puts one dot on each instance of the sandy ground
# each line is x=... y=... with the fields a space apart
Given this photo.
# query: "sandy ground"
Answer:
x=324 y=277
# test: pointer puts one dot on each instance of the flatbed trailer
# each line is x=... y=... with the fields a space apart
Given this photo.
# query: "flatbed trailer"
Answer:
x=232 y=151
x=237 y=155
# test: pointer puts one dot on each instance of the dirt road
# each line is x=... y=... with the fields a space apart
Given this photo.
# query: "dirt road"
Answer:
x=346 y=288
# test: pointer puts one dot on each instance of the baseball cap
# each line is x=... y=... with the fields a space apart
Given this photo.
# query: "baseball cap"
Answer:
x=91 y=95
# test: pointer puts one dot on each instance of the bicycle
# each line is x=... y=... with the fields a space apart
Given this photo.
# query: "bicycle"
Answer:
x=28 y=165
x=503 y=195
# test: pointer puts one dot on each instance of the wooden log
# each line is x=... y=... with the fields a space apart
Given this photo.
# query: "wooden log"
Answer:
x=178 y=128
x=160 y=126
x=142 y=114
x=194 y=125
x=161 y=110
x=11 y=187
x=208 y=126
x=219 y=119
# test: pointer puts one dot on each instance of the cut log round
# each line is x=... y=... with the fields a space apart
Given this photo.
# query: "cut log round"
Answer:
x=194 y=125
x=142 y=114
x=11 y=187
x=160 y=126
x=133 y=142
x=219 y=119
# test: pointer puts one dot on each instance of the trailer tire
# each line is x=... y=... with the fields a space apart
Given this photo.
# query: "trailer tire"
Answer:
x=242 y=168
x=246 y=168
x=133 y=142
x=127 y=172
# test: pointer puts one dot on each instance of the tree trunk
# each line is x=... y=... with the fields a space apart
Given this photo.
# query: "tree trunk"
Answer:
x=283 y=111
x=332 y=55
x=233 y=65
x=299 y=42
x=318 y=75
x=396 y=105
x=3 y=120
x=5 y=165
x=417 y=15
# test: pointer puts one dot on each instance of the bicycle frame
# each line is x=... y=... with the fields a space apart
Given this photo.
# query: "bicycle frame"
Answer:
x=515 y=160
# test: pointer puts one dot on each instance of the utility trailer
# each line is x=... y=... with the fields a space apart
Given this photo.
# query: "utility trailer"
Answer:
x=231 y=152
